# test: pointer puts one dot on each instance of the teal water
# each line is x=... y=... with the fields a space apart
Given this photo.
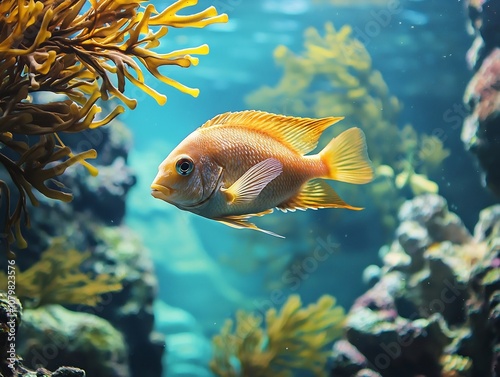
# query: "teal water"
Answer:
x=206 y=270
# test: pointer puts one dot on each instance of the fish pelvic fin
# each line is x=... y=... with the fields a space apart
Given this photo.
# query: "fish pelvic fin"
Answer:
x=346 y=158
x=315 y=194
x=299 y=134
x=253 y=181
x=240 y=222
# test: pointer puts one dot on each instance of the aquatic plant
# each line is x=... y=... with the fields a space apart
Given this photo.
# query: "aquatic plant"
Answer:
x=334 y=75
x=293 y=340
x=437 y=288
x=85 y=50
x=455 y=366
x=57 y=279
x=425 y=153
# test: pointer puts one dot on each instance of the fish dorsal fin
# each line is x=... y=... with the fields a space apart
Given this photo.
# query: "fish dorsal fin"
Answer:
x=240 y=222
x=300 y=134
x=250 y=184
x=315 y=194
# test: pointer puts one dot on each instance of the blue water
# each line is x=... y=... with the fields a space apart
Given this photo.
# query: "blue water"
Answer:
x=206 y=270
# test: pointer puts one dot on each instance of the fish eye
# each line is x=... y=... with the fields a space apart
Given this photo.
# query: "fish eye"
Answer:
x=184 y=166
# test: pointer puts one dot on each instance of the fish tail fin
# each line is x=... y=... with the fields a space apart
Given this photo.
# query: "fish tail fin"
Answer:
x=346 y=158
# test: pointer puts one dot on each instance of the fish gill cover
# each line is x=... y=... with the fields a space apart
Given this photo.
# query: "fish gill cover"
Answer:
x=87 y=51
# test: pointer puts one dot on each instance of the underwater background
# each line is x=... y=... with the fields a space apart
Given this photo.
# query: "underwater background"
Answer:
x=205 y=270
x=167 y=286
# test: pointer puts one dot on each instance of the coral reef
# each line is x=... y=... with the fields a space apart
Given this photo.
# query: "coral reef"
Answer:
x=481 y=128
x=131 y=309
x=118 y=285
x=433 y=310
x=106 y=192
x=98 y=200
x=58 y=59
x=293 y=340
x=334 y=76
x=93 y=223
x=58 y=278
x=86 y=341
x=10 y=363
x=85 y=51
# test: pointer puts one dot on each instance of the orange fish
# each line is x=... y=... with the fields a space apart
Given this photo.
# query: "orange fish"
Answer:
x=244 y=164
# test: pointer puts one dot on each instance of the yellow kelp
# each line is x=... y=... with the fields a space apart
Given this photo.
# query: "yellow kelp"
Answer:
x=334 y=75
x=85 y=50
x=456 y=366
x=431 y=153
x=425 y=154
x=294 y=340
x=57 y=279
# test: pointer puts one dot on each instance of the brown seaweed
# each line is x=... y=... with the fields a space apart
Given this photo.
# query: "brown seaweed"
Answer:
x=85 y=50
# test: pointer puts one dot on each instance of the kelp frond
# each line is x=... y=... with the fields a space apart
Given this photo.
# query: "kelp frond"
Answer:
x=455 y=366
x=293 y=341
x=57 y=279
x=85 y=50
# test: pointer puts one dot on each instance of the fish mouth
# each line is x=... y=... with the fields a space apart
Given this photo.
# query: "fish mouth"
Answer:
x=160 y=192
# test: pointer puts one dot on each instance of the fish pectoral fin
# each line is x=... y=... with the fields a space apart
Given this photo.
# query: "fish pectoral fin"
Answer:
x=250 y=184
x=315 y=194
x=240 y=222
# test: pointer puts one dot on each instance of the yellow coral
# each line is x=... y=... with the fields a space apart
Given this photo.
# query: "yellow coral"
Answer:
x=425 y=153
x=455 y=366
x=86 y=50
x=293 y=341
x=432 y=152
x=57 y=279
x=334 y=75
